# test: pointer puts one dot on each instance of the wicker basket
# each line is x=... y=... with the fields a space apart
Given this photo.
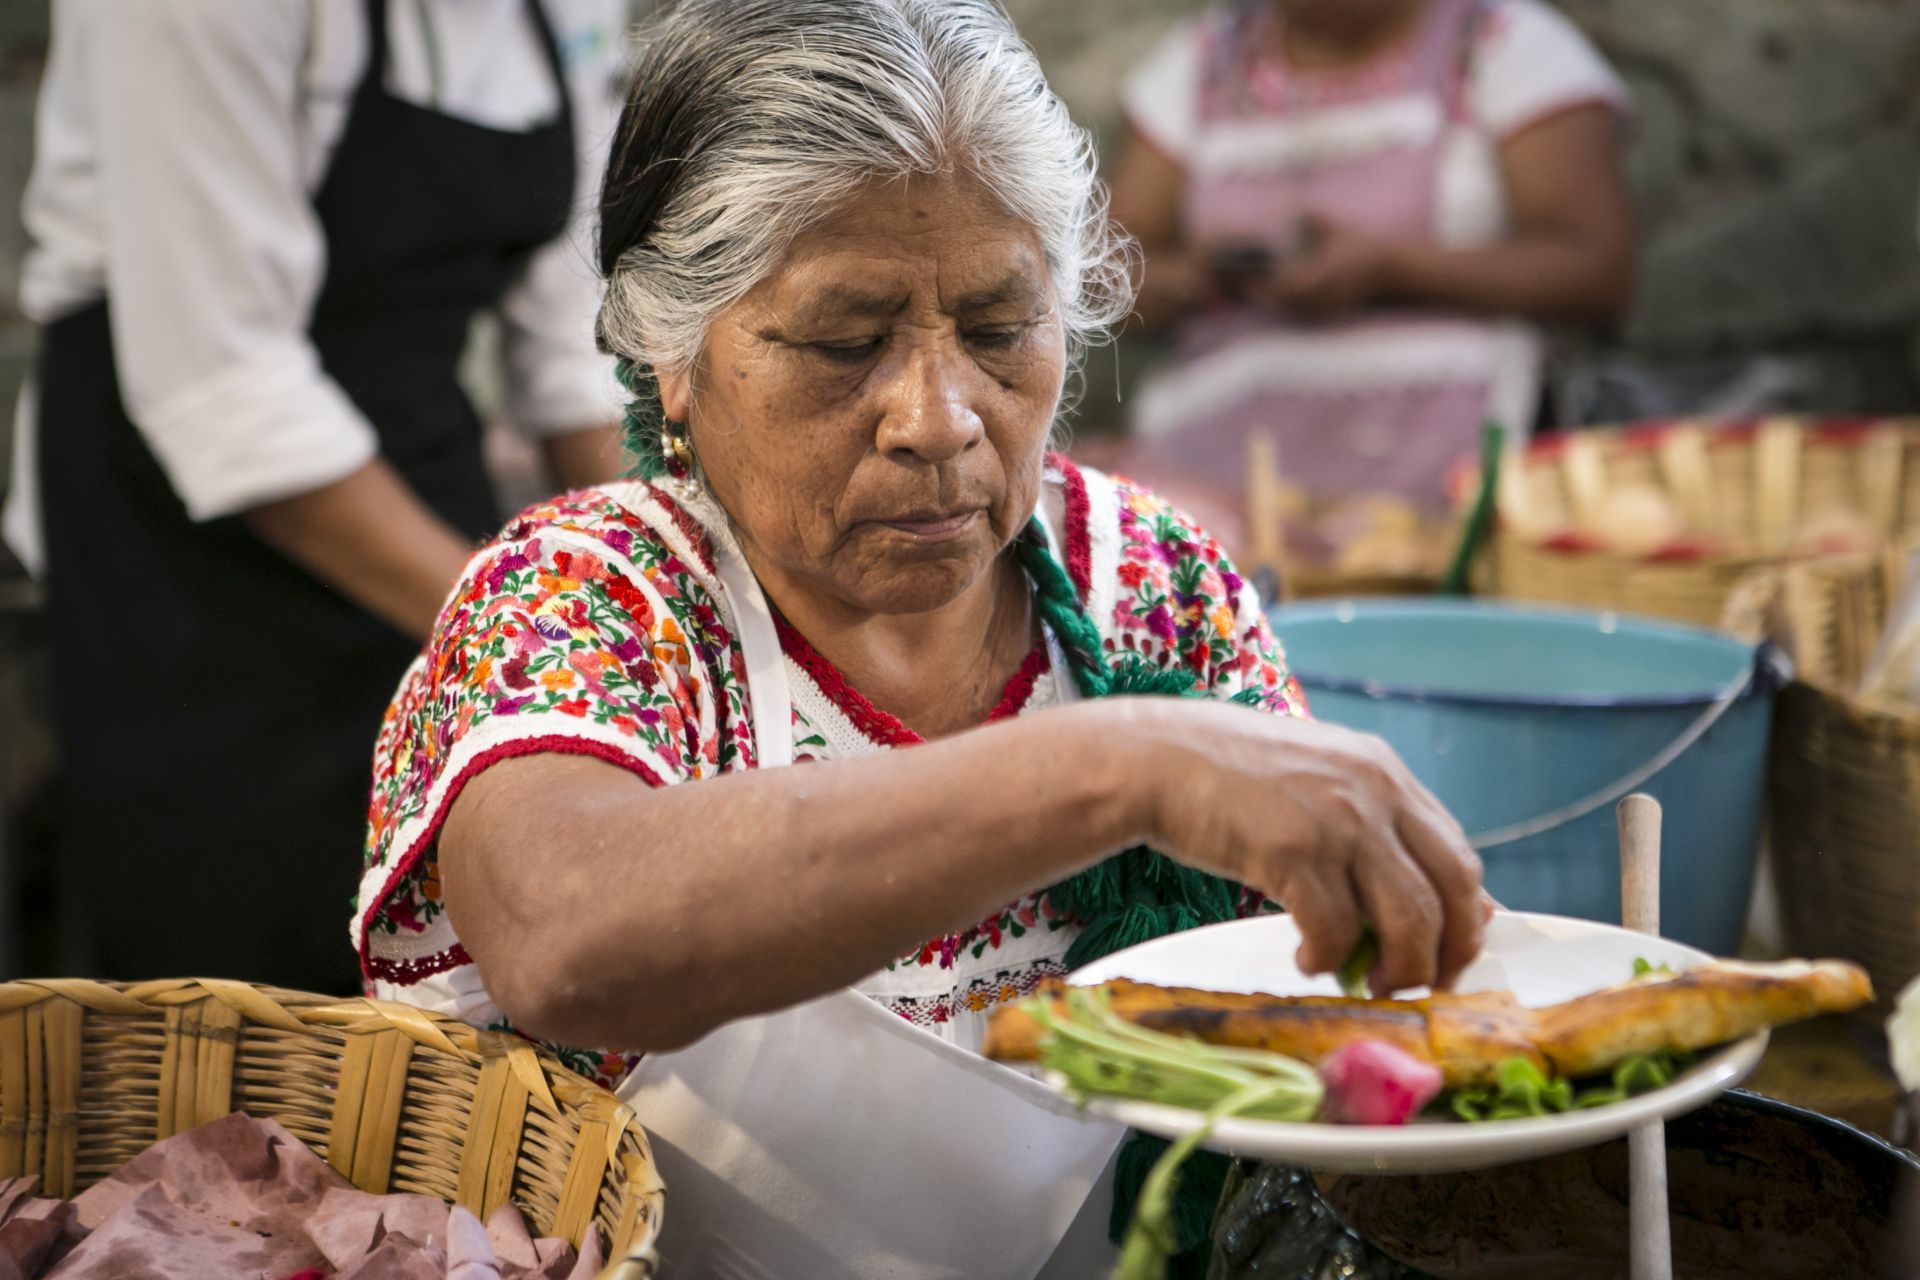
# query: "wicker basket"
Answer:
x=1844 y=786
x=393 y=1097
x=1743 y=491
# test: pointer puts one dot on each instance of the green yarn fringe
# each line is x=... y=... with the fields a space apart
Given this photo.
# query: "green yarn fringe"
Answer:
x=1196 y=1196
x=1134 y=896
x=643 y=423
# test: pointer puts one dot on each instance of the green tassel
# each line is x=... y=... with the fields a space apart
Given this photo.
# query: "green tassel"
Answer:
x=1202 y=1180
x=1135 y=896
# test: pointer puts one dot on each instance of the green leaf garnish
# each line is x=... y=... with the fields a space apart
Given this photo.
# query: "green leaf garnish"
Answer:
x=1353 y=974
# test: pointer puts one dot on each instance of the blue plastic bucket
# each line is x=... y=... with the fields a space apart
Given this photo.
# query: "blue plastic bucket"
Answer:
x=1519 y=718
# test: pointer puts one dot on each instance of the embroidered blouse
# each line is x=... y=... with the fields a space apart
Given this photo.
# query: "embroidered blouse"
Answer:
x=595 y=625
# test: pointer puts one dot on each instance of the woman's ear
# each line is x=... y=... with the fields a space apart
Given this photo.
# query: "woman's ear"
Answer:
x=676 y=393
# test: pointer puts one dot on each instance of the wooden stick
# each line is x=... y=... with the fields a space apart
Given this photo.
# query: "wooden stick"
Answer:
x=1776 y=482
x=1266 y=519
x=1649 y=1238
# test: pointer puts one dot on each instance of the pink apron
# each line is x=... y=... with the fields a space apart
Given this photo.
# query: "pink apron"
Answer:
x=1384 y=403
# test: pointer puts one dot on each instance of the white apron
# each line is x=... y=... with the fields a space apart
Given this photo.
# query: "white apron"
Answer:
x=836 y=1139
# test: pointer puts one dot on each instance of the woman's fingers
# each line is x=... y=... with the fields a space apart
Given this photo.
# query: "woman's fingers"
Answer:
x=1328 y=917
x=1453 y=871
x=1407 y=914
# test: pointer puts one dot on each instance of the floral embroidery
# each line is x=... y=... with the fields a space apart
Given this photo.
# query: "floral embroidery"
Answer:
x=592 y=626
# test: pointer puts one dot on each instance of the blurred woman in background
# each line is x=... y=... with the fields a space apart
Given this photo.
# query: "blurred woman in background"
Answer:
x=1354 y=213
x=261 y=233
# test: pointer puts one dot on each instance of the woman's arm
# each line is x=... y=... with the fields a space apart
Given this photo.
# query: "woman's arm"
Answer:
x=214 y=258
x=370 y=537
x=1570 y=254
x=585 y=457
x=601 y=910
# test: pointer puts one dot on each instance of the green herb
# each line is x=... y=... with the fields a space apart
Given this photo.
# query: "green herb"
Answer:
x=1643 y=966
x=1524 y=1090
x=1101 y=1053
x=1366 y=954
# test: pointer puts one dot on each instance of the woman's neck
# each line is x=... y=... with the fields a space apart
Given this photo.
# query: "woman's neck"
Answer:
x=1315 y=46
x=940 y=671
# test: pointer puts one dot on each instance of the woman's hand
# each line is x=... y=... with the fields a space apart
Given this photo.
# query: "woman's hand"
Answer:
x=1342 y=270
x=1324 y=820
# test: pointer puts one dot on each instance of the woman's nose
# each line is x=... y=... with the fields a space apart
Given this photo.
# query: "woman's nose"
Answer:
x=927 y=413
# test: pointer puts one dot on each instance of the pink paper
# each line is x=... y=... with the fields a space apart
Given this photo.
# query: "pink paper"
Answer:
x=399 y=1258
x=243 y=1197
x=469 y=1256
x=351 y=1224
x=152 y=1238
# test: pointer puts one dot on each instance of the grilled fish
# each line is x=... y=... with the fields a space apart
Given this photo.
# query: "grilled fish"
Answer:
x=1468 y=1036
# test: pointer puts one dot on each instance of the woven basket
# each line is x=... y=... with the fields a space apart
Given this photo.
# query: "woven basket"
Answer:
x=1743 y=490
x=1844 y=785
x=393 y=1097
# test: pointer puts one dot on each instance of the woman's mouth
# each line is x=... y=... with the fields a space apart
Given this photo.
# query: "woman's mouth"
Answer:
x=932 y=526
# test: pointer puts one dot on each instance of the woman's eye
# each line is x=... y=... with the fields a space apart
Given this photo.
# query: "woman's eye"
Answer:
x=846 y=352
x=997 y=339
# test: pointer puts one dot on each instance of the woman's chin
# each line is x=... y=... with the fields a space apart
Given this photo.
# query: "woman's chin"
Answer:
x=916 y=575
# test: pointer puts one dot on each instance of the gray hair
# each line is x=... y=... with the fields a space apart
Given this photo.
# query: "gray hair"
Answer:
x=750 y=120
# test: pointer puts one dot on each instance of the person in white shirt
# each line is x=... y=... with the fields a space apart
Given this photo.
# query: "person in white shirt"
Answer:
x=261 y=235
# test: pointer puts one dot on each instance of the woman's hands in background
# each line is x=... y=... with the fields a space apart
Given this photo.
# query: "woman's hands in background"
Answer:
x=1339 y=270
x=1322 y=819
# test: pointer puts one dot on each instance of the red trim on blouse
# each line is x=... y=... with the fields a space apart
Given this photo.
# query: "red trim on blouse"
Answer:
x=454 y=957
x=689 y=528
x=883 y=727
x=1020 y=687
x=1079 y=520
x=407 y=972
x=880 y=726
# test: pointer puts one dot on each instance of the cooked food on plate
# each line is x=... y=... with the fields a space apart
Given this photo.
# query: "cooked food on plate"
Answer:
x=1482 y=1041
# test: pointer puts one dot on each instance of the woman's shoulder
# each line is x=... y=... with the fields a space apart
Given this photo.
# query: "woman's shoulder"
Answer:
x=1154 y=579
x=1110 y=504
x=1160 y=94
x=631 y=519
x=1529 y=61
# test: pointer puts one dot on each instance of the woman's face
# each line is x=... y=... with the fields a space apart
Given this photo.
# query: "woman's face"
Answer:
x=873 y=416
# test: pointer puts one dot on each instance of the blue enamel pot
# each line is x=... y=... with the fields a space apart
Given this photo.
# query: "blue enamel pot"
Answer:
x=1529 y=723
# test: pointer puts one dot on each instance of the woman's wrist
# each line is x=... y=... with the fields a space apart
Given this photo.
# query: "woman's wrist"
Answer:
x=1118 y=746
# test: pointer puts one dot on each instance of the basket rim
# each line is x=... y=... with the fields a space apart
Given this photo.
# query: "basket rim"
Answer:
x=1638 y=437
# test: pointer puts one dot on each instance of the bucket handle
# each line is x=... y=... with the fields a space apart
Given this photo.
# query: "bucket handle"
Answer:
x=1769 y=671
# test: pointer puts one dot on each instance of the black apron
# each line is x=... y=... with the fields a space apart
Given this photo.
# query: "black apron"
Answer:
x=216 y=705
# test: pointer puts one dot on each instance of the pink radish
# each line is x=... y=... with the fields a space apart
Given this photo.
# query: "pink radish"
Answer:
x=1372 y=1082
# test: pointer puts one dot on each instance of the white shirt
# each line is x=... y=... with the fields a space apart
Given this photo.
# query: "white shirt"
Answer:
x=179 y=144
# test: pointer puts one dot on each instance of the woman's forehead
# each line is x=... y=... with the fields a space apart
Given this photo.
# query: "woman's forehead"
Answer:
x=931 y=239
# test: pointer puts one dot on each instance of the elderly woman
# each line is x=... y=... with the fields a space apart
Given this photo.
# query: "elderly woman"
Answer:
x=852 y=248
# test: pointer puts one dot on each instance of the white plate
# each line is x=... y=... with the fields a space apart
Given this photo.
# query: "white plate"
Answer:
x=1541 y=959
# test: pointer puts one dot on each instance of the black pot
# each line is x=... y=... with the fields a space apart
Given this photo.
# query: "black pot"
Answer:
x=1759 y=1189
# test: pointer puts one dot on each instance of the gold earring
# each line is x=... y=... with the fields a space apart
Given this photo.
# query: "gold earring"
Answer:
x=677 y=445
